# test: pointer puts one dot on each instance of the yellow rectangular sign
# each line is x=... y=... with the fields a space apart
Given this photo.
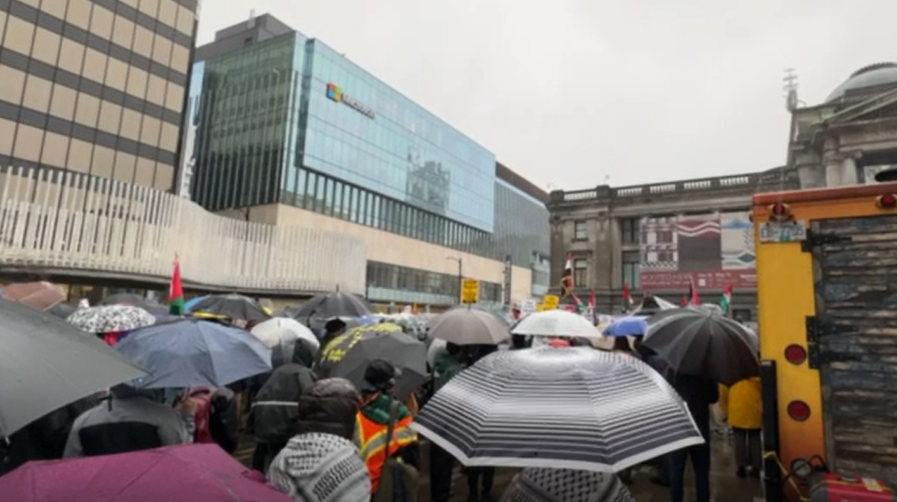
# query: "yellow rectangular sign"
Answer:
x=470 y=291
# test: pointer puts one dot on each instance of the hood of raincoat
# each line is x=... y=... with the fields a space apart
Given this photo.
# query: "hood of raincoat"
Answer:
x=304 y=353
x=329 y=406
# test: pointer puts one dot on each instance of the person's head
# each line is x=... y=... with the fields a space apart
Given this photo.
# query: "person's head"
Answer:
x=329 y=406
x=622 y=343
x=379 y=377
x=321 y=468
x=334 y=326
x=304 y=353
x=566 y=485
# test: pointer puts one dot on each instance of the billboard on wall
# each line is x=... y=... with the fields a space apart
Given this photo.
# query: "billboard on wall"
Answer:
x=715 y=250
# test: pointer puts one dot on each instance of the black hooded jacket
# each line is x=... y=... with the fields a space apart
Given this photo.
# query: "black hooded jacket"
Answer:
x=329 y=407
x=276 y=407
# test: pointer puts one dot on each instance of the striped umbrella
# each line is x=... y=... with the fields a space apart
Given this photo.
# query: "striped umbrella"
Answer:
x=574 y=408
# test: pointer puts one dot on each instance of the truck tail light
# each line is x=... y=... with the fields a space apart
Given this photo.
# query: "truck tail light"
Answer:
x=795 y=354
x=799 y=411
x=886 y=201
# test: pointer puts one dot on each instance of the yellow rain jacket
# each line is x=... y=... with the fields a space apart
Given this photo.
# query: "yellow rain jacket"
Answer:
x=741 y=404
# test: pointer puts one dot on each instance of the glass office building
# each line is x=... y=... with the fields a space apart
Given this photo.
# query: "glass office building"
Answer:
x=95 y=86
x=284 y=119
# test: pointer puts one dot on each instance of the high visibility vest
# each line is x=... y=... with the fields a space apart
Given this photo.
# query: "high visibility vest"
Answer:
x=371 y=440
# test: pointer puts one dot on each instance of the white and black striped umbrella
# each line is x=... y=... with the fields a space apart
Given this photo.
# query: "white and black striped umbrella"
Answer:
x=574 y=408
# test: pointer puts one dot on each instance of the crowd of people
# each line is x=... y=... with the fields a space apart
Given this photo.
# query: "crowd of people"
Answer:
x=326 y=439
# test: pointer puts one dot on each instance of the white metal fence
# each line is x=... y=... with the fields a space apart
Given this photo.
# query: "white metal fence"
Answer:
x=51 y=220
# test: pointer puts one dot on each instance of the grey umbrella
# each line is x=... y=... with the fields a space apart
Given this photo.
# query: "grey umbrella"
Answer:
x=349 y=355
x=463 y=326
x=46 y=363
x=573 y=408
x=701 y=341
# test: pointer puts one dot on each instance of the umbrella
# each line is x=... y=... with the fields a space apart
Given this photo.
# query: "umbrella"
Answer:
x=37 y=295
x=188 y=307
x=194 y=353
x=633 y=325
x=348 y=356
x=556 y=323
x=463 y=326
x=336 y=304
x=133 y=300
x=111 y=318
x=281 y=333
x=701 y=341
x=196 y=472
x=234 y=306
x=574 y=408
x=46 y=363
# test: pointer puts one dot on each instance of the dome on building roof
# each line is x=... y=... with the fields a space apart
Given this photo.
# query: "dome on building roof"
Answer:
x=873 y=75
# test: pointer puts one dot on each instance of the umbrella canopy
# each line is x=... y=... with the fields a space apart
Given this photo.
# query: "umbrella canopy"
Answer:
x=37 y=295
x=336 y=304
x=348 y=356
x=574 y=408
x=46 y=363
x=463 y=326
x=135 y=300
x=701 y=341
x=233 y=306
x=280 y=334
x=194 y=353
x=111 y=318
x=556 y=323
x=188 y=307
x=196 y=472
x=633 y=325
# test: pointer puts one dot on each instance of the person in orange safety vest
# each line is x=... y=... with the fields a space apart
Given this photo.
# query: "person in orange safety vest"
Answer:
x=373 y=419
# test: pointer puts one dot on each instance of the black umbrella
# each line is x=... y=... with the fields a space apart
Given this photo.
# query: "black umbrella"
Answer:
x=703 y=342
x=233 y=306
x=134 y=300
x=46 y=363
x=574 y=408
x=349 y=355
x=336 y=304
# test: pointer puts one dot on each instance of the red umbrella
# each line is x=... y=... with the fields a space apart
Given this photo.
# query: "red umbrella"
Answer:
x=187 y=473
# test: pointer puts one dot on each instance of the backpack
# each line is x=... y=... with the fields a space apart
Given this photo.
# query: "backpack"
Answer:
x=202 y=396
x=399 y=482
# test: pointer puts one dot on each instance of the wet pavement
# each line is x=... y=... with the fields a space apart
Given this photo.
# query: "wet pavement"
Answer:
x=726 y=486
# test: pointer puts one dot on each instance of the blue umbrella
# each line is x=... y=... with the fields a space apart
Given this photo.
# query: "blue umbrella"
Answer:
x=634 y=325
x=193 y=352
x=188 y=307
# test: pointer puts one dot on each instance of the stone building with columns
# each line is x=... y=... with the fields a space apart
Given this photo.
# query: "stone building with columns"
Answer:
x=656 y=238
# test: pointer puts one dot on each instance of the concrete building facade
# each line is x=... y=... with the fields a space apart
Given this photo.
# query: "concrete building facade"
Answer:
x=95 y=87
x=659 y=238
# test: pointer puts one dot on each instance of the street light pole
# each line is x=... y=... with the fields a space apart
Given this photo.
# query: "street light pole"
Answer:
x=460 y=276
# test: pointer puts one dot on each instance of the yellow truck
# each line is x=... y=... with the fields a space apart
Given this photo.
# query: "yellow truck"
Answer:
x=827 y=303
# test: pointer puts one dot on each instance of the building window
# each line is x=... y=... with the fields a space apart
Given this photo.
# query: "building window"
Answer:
x=579 y=230
x=580 y=272
x=631 y=263
x=629 y=230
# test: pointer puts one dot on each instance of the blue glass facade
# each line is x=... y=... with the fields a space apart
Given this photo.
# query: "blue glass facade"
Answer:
x=367 y=134
x=288 y=120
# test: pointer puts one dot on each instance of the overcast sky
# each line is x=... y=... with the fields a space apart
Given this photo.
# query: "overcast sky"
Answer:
x=569 y=92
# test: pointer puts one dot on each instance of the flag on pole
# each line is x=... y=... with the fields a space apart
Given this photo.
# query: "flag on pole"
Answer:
x=627 y=297
x=567 y=277
x=176 y=291
x=692 y=298
x=726 y=301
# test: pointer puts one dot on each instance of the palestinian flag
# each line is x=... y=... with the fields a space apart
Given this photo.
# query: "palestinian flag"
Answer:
x=176 y=292
x=567 y=277
x=627 y=297
x=726 y=301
